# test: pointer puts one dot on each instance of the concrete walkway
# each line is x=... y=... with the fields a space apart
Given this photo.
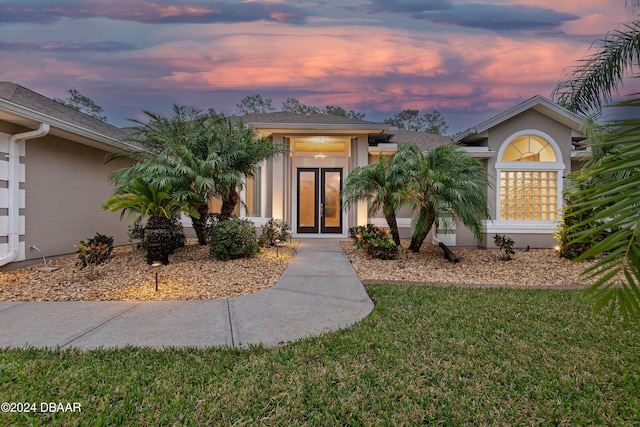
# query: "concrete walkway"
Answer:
x=318 y=292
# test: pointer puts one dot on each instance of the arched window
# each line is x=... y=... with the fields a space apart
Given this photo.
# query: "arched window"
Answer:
x=529 y=148
x=529 y=178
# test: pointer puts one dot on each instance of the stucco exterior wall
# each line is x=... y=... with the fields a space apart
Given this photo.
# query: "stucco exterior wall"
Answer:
x=65 y=186
x=528 y=120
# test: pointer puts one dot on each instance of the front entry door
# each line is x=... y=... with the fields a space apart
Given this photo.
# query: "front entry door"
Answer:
x=319 y=206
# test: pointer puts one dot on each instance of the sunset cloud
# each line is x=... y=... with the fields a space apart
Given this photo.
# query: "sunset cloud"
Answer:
x=470 y=60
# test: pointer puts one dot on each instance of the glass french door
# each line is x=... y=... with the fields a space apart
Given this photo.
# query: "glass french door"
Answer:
x=319 y=206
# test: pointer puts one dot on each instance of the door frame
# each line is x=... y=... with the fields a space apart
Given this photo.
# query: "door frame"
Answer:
x=319 y=201
x=323 y=228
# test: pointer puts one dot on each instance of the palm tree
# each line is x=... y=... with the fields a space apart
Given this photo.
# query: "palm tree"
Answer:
x=615 y=207
x=173 y=152
x=590 y=84
x=383 y=184
x=445 y=183
x=615 y=202
x=143 y=199
x=200 y=155
x=240 y=151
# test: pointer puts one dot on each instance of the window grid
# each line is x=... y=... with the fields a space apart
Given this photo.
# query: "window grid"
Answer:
x=528 y=195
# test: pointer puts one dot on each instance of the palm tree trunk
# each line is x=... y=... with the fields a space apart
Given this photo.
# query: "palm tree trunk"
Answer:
x=393 y=227
x=424 y=222
x=229 y=205
x=159 y=239
x=200 y=224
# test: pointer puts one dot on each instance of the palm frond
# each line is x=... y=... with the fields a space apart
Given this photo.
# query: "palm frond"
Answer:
x=590 y=85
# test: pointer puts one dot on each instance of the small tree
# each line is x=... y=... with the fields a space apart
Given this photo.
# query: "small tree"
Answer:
x=444 y=182
x=384 y=184
x=141 y=198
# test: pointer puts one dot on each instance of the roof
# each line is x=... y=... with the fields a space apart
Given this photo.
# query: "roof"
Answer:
x=287 y=121
x=306 y=122
x=537 y=103
x=27 y=108
x=425 y=141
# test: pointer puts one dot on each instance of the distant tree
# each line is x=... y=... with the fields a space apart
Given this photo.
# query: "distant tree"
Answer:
x=293 y=105
x=436 y=123
x=432 y=122
x=255 y=104
x=335 y=110
x=81 y=103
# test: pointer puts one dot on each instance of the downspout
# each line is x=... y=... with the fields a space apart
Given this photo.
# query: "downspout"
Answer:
x=14 y=190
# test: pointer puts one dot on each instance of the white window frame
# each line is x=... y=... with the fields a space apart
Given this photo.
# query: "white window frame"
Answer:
x=527 y=226
x=258 y=220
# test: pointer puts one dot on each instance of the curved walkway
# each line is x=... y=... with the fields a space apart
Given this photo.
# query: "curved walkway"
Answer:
x=319 y=291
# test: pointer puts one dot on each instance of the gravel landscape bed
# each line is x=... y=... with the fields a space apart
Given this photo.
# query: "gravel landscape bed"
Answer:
x=191 y=275
x=535 y=268
x=194 y=275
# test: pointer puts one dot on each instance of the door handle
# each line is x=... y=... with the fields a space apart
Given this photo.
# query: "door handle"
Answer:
x=322 y=209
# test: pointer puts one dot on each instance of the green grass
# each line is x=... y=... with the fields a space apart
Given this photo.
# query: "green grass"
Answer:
x=425 y=355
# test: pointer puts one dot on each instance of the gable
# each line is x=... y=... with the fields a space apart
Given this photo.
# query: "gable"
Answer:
x=477 y=135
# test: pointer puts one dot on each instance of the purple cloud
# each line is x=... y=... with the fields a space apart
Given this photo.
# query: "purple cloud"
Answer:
x=408 y=6
x=151 y=12
x=498 y=17
x=105 y=46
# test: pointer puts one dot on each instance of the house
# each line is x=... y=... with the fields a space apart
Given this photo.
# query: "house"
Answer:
x=527 y=150
x=53 y=177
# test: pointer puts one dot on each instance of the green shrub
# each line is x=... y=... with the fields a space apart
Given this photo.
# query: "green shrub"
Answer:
x=233 y=238
x=382 y=248
x=374 y=240
x=506 y=246
x=274 y=229
x=94 y=251
x=570 y=240
x=177 y=238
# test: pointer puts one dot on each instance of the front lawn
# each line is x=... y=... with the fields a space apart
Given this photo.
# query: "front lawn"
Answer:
x=425 y=355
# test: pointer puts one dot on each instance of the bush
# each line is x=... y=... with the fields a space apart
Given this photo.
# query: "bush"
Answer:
x=232 y=239
x=571 y=243
x=374 y=240
x=274 y=229
x=177 y=238
x=506 y=246
x=94 y=251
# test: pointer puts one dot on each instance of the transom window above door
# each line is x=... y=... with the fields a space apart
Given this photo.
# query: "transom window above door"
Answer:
x=319 y=146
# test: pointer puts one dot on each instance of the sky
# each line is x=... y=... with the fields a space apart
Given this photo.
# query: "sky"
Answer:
x=469 y=59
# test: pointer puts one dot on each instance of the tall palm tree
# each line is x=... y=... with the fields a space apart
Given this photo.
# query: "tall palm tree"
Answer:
x=590 y=85
x=445 y=183
x=143 y=199
x=383 y=184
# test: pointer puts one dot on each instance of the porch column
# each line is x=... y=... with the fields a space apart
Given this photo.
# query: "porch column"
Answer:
x=362 y=159
x=278 y=196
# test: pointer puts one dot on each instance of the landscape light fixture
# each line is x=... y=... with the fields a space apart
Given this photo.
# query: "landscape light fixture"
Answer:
x=155 y=266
